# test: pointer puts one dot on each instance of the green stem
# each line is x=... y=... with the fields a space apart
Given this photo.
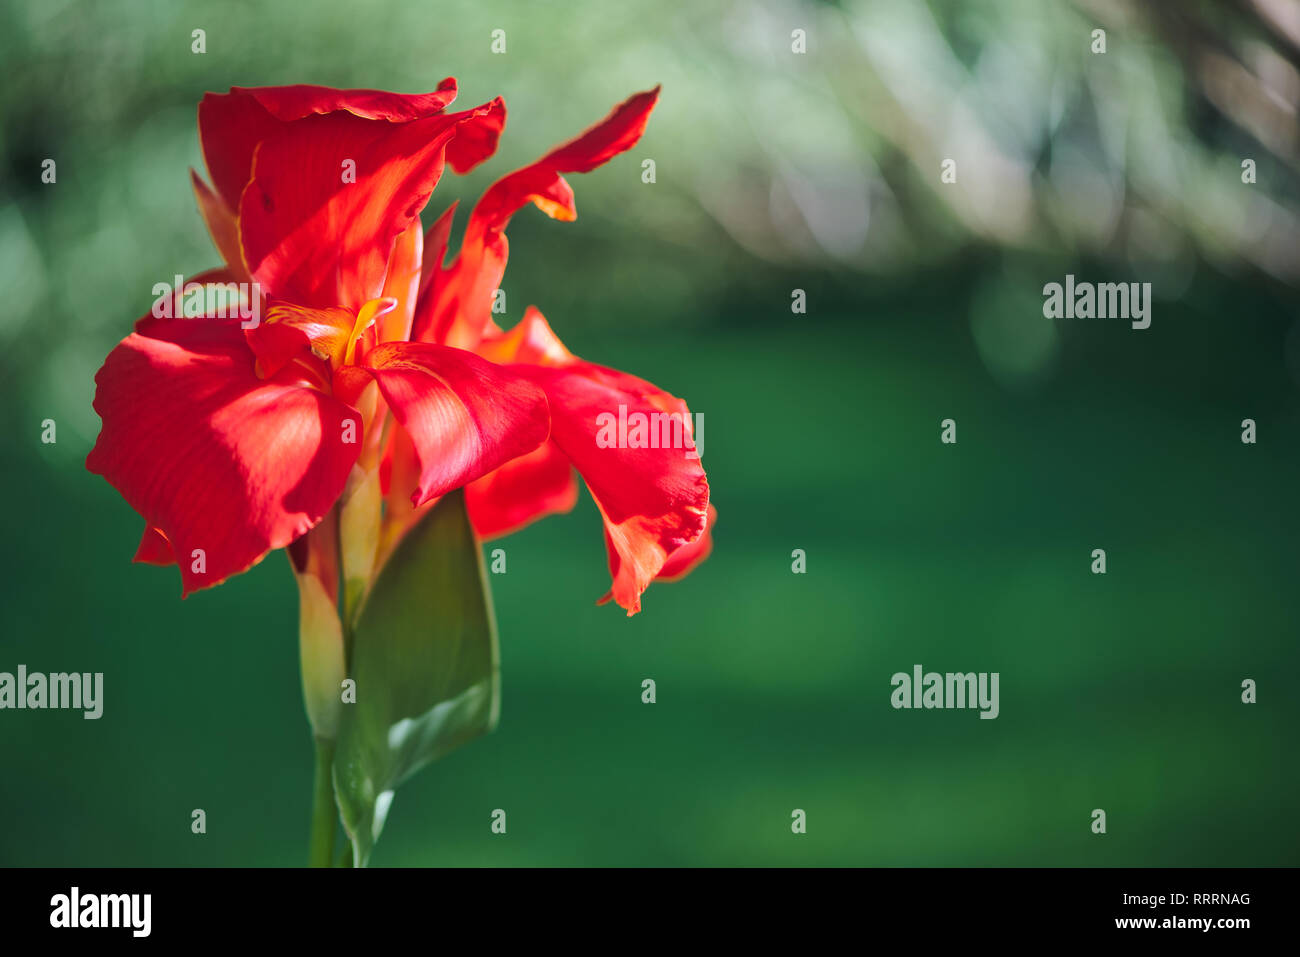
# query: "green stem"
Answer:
x=324 y=817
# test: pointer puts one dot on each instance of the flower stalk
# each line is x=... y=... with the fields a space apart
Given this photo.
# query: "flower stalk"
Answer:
x=324 y=812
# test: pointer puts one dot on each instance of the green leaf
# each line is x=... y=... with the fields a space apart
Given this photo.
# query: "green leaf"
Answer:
x=425 y=661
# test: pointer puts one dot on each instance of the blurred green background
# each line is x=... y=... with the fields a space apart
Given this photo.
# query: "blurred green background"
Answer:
x=775 y=171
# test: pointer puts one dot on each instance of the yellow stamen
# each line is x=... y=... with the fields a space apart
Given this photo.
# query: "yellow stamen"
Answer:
x=366 y=317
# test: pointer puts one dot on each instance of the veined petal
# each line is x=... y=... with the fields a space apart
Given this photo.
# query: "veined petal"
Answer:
x=521 y=491
x=432 y=255
x=313 y=236
x=461 y=304
x=540 y=182
x=681 y=562
x=225 y=465
x=654 y=501
x=654 y=498
x=465 y=416
x=402 y=285
x=399 y=472
x=287 y=103
x=232 y=124
x=330 y=195
x=531 y=342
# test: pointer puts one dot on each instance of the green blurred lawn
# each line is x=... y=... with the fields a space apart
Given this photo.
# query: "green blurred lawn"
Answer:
x=1119 y=692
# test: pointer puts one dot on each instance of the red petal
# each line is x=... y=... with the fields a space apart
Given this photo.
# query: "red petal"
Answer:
x=464 y=416
x=232 y=124
x=521 y=491
x=313 y=239
x=399 y=472
x=531 y=342
x=230 y=127
x=462 y=299
x=682 y=561
x=154 y=549
x=616 y=133
x=402 y=283
x=214 y=457
x=477 y=140
x=220 y=220
x=654 y=500
x=432 y=272
x=540 y=183
x=288 y=103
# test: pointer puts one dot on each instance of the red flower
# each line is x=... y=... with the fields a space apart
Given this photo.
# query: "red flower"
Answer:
x=233 y=441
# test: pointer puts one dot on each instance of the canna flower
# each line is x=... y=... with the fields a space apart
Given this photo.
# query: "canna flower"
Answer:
x=377 y=381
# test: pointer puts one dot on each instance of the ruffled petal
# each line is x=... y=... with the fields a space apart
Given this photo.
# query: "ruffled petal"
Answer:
x=287 y=103
x=681 y=562
x=460 y=306
x=654 y=499
x=232 y=124
x=477 y=140
x=312 y=235
x=541 y=184
x=225 y=465
x=465 y=416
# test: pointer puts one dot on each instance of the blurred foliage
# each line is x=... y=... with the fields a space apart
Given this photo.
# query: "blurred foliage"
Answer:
x=825 y=163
